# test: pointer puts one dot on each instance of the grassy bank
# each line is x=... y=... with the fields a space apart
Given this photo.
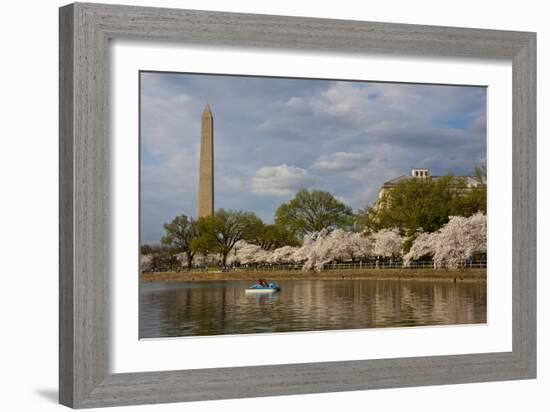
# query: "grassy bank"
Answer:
x=449 y=275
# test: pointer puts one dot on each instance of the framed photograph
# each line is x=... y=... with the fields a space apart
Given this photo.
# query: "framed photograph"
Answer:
x=256 y=205
x=316 y=218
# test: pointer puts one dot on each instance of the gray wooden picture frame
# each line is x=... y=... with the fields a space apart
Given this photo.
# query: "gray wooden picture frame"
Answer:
x=85 y=32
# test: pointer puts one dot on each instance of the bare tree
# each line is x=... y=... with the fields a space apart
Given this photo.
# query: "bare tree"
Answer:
x=480 y=172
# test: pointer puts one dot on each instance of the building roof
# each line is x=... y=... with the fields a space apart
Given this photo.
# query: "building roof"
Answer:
x=470 y=180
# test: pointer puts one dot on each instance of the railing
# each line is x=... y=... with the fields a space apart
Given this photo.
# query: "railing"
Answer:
x=369 y=265
x=478 y=264
x=481 y=264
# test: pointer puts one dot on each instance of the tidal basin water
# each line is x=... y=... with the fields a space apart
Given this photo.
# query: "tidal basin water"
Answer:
x=169 y=309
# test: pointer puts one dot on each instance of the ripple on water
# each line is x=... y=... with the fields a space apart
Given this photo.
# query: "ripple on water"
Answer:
x=169 y=309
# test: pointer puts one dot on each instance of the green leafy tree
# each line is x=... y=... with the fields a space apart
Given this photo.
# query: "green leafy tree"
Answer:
x=476 y=199
x=223 y=229
x=420 y=204
x=205 y=242
x=270 y=236
x=470 y=202
x=146 y=249
x=180 y=233
x=313 y=210
x=415 y=204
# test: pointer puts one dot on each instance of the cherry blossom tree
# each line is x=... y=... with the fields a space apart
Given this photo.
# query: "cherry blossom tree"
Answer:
x=146 y=263
x=352 y=246
x=424 y=245
x=247 y=253
x=285 y=254
x=388 y=243
x=321 y=250
x=453 y=244
x=460 y=239
x=182 y=259
x=301 y=254
x=326 y=246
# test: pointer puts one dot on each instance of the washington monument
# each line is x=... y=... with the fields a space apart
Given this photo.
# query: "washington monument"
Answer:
x=206 y=166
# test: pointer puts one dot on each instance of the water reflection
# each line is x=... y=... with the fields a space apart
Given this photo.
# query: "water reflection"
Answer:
x=170 y=309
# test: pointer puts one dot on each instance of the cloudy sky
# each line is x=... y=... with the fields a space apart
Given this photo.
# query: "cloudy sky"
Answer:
x=274 y=136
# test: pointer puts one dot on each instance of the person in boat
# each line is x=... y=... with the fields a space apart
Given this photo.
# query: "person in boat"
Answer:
x=262 y=282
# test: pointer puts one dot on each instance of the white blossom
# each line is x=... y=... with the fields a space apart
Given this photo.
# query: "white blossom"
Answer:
x=247 y=253
x=424 y=245
x=182 y=259
x=388 y=243
x=145 y=263
x=456 y=242
x=353 y=246
x=326 y=246
x=285 y=254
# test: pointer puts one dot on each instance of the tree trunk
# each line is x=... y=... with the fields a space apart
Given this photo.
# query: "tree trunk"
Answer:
x=224 y=257
x=189 y=262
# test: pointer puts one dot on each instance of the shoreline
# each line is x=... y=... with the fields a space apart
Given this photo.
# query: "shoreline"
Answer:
x=449 y=275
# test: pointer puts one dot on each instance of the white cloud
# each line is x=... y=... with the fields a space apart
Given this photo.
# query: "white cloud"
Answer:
x=340 y=161
x=280 y=180
x=341 y=98
x=344 y=137
x=295 y=102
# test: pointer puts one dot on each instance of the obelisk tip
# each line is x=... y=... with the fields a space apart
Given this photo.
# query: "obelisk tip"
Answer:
x=207 y=111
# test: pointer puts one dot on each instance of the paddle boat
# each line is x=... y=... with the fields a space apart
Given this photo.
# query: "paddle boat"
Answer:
x=271 y=287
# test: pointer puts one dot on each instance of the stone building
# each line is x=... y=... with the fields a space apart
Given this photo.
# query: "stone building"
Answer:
x=422 y=173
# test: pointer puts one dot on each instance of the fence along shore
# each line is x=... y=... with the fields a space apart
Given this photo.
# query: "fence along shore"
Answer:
x=467 y=271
